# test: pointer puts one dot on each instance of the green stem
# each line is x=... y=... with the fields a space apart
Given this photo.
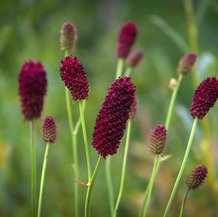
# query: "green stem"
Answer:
x=182 y=166
x=74 y=150
x=33 y=170
x=151 y=183
x=120 y=65
x=123 y=169
x=109 y=184
x=128 y=71
x=81 y=111
x=42 y=179
x=172 y=101
x=90 y=187
x=183 y=203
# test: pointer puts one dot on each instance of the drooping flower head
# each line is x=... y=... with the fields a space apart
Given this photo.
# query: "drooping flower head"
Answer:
x=49 y=129
x=32 y=89
x=74 y=77
x=68 y=37
x=126 y=39
x=186 y=63
x=158 y=139
x=134 y=58
x=204 y=98
x=112 y=117
x=197 y=177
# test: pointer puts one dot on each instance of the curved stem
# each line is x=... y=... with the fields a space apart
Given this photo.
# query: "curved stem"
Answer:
x=123 y=168
x=188 y=148
x=81 y=111
x=151 y=183
x=128 y=71
x=109 y=184
x=90 y=187
x=172 y=102
x=183 y=203
x=74 y=150
x=120 y=65
x=42 y=179
x=33 y=169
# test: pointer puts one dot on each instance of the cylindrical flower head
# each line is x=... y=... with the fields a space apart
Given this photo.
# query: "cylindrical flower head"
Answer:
x=186 y=63
x=204 y=98
x=197 y=177
x=32 y=89
x=158 y=139
x=49 y=129
x=74 y=77
x=134 y=58
x=112 y=117
x=126 y=39
x=68 y=37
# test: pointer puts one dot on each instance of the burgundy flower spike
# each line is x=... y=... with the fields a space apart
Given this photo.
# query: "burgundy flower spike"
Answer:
x=204 y=98
x=127 y=37
x=74 y=77
x=112 y=117
x=197 y=177
x=32 y=89
x=49 y=130
x=158 y=139
x=134 y=58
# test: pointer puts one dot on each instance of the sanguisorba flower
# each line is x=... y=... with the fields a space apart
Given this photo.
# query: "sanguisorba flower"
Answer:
x=49 y=129
x=186 y=63
x=74 y=77
x=126 y=39
x=204 y=98
x=113 y=115
x=197 y=177
x=32 y=89
x=134 y=58
x=158 y=139
x=68 y=37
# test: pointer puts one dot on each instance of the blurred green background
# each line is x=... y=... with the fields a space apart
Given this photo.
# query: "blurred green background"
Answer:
x=30 y=30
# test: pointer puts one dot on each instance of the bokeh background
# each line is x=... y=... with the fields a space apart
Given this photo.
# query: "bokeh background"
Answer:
x=29 y=29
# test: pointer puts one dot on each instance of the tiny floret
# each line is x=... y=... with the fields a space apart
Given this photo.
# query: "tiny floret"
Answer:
x=158 y=139
x=197 y=177
x=32 y=89
x=74 y=77
x=204 y=98
x=186 y=63
x=49 y=130
x=112 y=117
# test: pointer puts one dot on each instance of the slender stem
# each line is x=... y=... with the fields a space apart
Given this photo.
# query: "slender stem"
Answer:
x=81 y=111
x=182 y=166
x=153 y=175
x=90 y=187
x=33 y=169
x=42 y=179
x=109 y=184
x=183 y=202
x=172 y=101
x=128 y=71
x=123 y=169
x=74 y=150
x=120 y=65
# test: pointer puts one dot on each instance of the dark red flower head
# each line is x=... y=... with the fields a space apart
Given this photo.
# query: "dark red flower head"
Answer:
x=158 y=139
x=134 y=58
x=68 y=37
x=74 y=77
x=126 y=39
x=112 y=117
x=49 y=130
x=197 y=177
x=32 y=89
x=204 y=98
x=186 y=63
